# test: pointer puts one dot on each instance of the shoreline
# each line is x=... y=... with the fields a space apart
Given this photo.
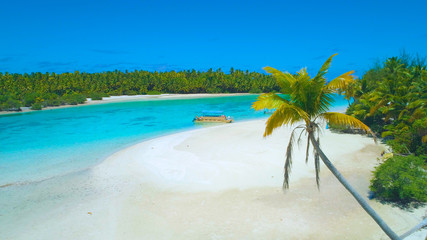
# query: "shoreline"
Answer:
x=193 y=180
x=124 y=148
x=200 y=184
x=129 y=98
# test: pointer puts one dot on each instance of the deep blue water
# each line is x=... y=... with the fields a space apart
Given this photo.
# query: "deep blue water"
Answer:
x=40 y=145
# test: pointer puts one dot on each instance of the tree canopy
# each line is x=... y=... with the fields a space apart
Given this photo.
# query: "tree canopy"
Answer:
x=52 y=89
x=391 y=99
x=306 y=101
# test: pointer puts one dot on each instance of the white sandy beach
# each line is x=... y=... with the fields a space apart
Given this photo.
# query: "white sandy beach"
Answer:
x=221 y=182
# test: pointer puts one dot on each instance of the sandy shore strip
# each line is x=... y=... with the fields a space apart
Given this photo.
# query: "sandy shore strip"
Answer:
x=130 y=98
x=220 y=182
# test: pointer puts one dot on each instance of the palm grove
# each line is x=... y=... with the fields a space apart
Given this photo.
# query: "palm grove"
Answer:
x=391 y=99
x=39 y=90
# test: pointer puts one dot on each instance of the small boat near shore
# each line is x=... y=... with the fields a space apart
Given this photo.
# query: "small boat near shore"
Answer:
x=213 y=117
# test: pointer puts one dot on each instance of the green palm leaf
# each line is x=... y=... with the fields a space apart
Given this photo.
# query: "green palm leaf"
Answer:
x=324 y=101
x=283 y=79
x=341 y=82
x=342 y=119
x=324 y=69
x=285 y=114
x=268 y=101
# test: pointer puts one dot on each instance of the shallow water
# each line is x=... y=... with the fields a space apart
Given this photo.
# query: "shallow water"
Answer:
x=40 y=145
x=46 y=157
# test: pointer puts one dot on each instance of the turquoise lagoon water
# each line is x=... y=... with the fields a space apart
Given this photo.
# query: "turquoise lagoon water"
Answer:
x=40 y=145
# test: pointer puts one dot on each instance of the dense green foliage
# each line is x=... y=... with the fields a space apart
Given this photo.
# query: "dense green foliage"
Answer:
x=36 y=106
x=153 y=92
x=96 y=96
x=51 y=89
x=401 y=179
x=8 y=103
x=391 y=99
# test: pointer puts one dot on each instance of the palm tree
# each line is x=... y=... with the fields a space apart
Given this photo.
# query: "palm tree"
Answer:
x=307 y=100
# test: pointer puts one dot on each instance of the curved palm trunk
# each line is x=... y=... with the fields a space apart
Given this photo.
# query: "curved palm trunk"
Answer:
x=353 y=192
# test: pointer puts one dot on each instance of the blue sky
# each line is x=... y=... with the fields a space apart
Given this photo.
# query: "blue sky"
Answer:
x=104 y=35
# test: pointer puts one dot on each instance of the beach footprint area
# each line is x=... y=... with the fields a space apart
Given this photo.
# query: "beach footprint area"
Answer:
x=221 y=182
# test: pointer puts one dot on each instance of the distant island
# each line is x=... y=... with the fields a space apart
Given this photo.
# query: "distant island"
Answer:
x=39 y=90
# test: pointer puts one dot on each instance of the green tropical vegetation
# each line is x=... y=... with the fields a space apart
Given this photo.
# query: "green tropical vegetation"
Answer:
x=36 y=106
x=391 y=99
x=401 y=179
x=52 y=89
x=308 y=100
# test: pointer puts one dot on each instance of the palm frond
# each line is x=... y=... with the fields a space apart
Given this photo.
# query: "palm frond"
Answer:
x=303 y=73
x=341 y=82
x=285 y=114
x=342 y=119
x=301 y=90
x=373 y=97
x=324 y=101
x=402 y=113
x=417 y=103
x=417 y=114
x=377 y=106
x=268 y=101
x=386 y=134
x=288 y=161
x=302 y=131
x=283 y=79
x=324 y=69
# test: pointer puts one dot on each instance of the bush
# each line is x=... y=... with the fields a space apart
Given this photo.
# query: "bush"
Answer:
x=74 y=99
x=96 y=96
x=10 y=105
x=401 y=179
x=255 y=90
x=29 y=99
x=130 y=92
x=213 y=90
x=53 y=102
x=153 y=92
x=36 y=106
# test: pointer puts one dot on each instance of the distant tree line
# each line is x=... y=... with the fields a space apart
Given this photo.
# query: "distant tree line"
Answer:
x=39 y=90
